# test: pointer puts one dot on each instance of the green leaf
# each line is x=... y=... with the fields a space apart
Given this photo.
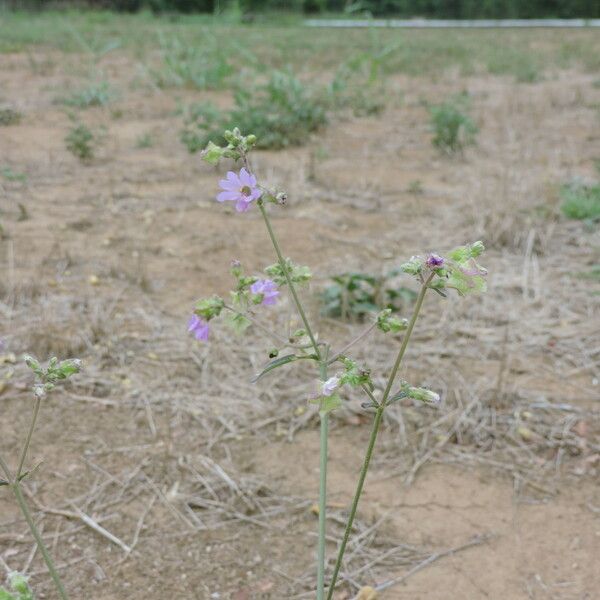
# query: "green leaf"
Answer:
x=3 y=482
x=329 y=403
x=397 y=397
x=238 y=322
x=279 y=362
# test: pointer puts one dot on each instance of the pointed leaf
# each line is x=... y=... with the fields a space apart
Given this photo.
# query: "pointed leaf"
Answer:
x=279 y=362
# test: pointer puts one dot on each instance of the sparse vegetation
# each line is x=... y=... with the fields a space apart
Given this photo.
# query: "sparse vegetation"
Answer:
x=201 y=66
x=9 y=116
x=453 y=128
x=145 y=140
x=96 y=94
x=80 y=142
x=10 y=175
x=580 y=201
x=283 y=112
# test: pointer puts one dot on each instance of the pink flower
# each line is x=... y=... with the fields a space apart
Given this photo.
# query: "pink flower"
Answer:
x=241 y=189
x=268 y=289
x=199 y=327
x=330 y=386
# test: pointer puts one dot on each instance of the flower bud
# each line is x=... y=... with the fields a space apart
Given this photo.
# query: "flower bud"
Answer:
x=413 y=267
x=423 y=395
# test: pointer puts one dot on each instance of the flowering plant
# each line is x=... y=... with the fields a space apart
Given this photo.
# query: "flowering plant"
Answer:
x=458 y=270
x=46 y=380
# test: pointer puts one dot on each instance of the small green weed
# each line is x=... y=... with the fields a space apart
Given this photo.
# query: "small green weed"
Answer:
x=453 y=128
x=80 y=142
x=9 y=116
x=145 y=140
x=11 y=175
x=580 y=201
x=19 y=588
x=97 y=94
x=353 y=296
x=283 y=112
x=415 y=187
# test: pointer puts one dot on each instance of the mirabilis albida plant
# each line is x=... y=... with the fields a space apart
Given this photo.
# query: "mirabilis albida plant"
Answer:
x=458 y=270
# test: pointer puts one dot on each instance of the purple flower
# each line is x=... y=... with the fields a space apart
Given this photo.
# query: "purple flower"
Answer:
x=199 y=327
x=268 y=289
x=240 y=189
x=434 y=261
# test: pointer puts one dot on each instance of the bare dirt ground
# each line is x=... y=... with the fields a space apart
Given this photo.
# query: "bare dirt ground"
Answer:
x=212 y=480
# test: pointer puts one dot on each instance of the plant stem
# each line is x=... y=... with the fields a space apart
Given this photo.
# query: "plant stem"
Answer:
x=36 y=410
x=374 y=432
x=16 y=488
x=289 y=280
x=322 y=493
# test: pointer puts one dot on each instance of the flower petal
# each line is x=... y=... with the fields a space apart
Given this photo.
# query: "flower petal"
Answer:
x=245 y=177
x=228 y=185
x=233 y=177
x=242 y=204
x=228 y=196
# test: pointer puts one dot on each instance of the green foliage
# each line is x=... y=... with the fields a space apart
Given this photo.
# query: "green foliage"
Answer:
x=580 y=201
x=201 y=66
x=297 y=273
x=11 y=175
x=357 y=295
x=9 y=116
x=509 y=61
x=453 y=128
x=19 y=587
x=282 y=112
x=145 y=140
x=80 y=142
x=96 y=94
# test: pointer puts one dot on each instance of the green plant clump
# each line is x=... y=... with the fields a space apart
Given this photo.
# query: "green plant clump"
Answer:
x=97 y=94
x=80 y=142
x=283 y=112
x=355 y=296
x=580 y=201
x=19 y=587
x=9 y=116
x=453 y=128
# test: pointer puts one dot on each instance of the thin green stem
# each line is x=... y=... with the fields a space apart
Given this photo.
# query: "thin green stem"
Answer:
x=5 y=469
x=289 y=280
x=16 y=488
x=36 y=410
x=373 y=437
x=322 y=493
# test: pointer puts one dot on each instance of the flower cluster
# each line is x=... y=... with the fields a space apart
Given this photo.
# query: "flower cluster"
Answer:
x=459 y=270
x=55 y=372
x=249 y=291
